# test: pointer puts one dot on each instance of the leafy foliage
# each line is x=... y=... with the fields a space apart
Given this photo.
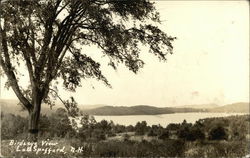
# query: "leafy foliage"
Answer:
x=218 y=133
x=48 y=39
x=12 y=126
x=141 y=128
x=49 y=36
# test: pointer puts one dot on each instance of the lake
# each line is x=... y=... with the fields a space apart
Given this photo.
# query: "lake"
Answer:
x=163 y=119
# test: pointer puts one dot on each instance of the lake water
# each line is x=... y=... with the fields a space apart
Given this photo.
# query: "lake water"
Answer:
x=164 y=119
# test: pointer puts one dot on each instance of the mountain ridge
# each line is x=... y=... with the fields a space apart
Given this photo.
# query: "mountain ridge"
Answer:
x=238 y=107
x=10 y=106
x=200 y=106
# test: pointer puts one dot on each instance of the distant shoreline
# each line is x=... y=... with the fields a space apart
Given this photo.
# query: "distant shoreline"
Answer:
x=10 y=106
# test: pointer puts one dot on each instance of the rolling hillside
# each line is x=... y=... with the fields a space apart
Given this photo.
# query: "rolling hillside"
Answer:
x=151 y=110
x=200 y=106
x=136 y=110
x=240 y=107
x=11 y=106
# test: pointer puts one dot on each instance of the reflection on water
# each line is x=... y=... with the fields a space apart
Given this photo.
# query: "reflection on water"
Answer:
x=164 y=119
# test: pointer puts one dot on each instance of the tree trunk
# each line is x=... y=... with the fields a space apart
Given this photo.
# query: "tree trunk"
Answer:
x=34 y=116
x=33 y=126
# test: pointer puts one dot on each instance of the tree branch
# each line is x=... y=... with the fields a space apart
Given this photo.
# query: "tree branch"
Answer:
x=63 y=7
x=57 y=95
x=32 y=38
x=7 y=67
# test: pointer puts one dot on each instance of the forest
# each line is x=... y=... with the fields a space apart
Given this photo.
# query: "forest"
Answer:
x=211 y=137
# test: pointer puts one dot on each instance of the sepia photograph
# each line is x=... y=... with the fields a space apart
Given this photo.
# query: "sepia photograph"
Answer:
x=124 y=78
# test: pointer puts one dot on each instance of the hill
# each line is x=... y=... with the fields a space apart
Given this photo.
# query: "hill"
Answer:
x=152 y=110
x=136 y=110
x=93 y=106
x=200 y=106
x=122 y=110
x=240 y=107
x=13 y=107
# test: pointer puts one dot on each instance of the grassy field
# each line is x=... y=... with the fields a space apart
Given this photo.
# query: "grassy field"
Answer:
x=119 y=148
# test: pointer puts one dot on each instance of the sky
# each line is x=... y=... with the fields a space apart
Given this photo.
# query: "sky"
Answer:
x=210 y=63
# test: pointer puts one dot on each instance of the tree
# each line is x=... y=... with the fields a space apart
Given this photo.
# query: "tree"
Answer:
x=173 y=127
x=156 y=130
x=88 y=124
x=60 y=125
x=48 y=37
x=141 y=128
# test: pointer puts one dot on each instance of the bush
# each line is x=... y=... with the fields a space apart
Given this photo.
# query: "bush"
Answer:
x=173 y=127
x=182 y=133
x=218 y=149
x=126 y=137
x=155 y=130
x=98 y=135
x=197 y=134
x=59 y=124
x=218 y=133
x=141 y=128
x=231 y=149
x=191 y=133
x=13 y=127
x=152 y=133
x=164 y=135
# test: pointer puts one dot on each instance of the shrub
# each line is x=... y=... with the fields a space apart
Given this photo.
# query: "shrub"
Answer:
x=152 y=133
x=198 y=134
x=218 y=133
x=183 y=133
x=13 y=127
x=164 y=135
x=126 y=137
x=173 y=127
x=141 y=128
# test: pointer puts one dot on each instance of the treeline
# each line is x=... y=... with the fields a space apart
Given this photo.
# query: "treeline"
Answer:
x=88 y=129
